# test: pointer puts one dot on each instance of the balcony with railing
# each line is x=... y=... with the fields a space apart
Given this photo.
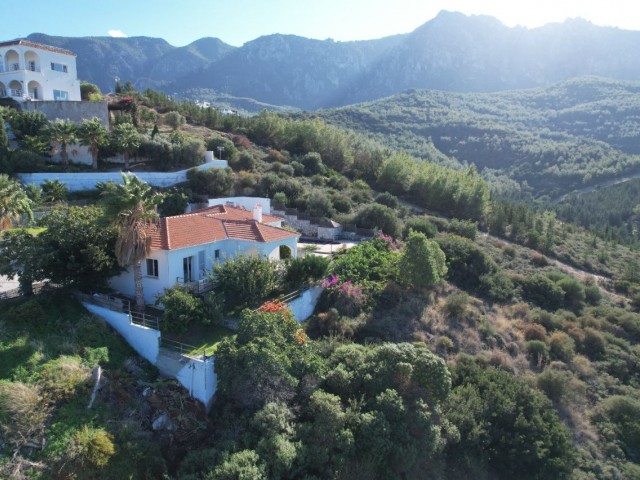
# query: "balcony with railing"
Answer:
x=3 y=92
x=15 y=92
x=197 y=287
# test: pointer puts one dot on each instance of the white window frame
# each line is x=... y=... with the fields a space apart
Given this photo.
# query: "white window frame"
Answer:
x=153 y=263
x=59 y=67
x=61 y=95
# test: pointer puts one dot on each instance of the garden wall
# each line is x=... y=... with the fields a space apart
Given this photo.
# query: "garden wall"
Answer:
x=303 y=306
x=88 y=180
x=144 y=340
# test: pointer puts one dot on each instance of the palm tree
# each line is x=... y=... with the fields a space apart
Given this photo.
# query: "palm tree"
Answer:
x=92 y=134
x=133 y=206
x=63 y=133
x=126 y=140
x=13 y=202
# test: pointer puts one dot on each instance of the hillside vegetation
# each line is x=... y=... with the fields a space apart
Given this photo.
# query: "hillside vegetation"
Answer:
x=437 y=350
x=537 y=142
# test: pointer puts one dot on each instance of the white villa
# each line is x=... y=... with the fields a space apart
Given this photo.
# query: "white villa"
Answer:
x=32 y=71
x=185 y=247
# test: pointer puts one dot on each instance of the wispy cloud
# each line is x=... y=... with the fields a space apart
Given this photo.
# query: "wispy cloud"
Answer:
x=117 y=34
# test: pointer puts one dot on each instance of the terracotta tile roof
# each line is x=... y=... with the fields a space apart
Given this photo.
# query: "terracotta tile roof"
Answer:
x=228 y=212
x=28 y=43
x=211 y=224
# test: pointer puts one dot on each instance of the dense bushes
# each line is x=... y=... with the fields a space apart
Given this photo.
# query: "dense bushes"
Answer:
x=245 y=281
x=214 y=182
x=505 y=427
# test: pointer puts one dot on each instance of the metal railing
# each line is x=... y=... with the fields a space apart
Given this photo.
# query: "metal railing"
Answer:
x=184 y=348
x=197 y=287
x=144 y=319
x=15 y=92
x=120 y=305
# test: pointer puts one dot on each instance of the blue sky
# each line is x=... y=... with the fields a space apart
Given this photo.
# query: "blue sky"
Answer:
x=180 y=22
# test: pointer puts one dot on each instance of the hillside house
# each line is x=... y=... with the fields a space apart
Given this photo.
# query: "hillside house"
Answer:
x=185 y=247
x=32 y=71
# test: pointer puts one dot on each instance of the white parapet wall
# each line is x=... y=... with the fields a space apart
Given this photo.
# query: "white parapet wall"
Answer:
x=144 y=340
x=303 y=306
x=87 y=180
x=199 y=377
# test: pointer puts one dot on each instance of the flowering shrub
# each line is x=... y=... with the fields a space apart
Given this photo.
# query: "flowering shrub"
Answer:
x=347 y=297
x=273 y=306
x=331 y=281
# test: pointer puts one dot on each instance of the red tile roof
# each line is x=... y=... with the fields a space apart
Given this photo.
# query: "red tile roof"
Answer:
x=234 y=213
x=41 y=46
x=211 y=224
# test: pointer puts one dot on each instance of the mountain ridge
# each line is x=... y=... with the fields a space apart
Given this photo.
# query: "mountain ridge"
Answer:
x=453 y=52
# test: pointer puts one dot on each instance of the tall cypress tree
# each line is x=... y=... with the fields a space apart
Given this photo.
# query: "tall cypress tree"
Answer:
x=4 y=138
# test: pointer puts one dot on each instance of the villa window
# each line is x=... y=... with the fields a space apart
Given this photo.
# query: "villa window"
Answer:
x=216 y=254
x=59 y=67
x=60 y=95
x=152 y=267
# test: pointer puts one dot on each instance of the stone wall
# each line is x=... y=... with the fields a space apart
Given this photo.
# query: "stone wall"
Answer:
x=305 y=226
x=72 y=111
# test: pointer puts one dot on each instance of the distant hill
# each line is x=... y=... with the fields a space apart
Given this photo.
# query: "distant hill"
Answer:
x=452 y=52
x=145 y=61
x=576 y=133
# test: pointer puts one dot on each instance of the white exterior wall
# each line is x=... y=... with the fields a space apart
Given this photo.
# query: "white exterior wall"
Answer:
x=171 y=267
x=47 y=79
x=88 y=180
x=145 y=341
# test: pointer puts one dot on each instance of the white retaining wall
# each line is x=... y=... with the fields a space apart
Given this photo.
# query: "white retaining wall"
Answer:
x=303 y=306
x=144 y=340
x=197 y=376
x=88 y=180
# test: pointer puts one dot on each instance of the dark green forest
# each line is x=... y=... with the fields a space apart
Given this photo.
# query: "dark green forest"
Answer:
x=538 y=142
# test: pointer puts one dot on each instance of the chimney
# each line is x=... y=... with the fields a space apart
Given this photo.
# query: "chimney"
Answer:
x=257 y=213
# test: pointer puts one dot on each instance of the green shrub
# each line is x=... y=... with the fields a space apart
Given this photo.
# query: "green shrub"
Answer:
x=62 y=377
x=245 y=281
x=91 y=447
x=380 y=217
x=592 y=294
x=464 y=228
x=303 y=269
x=593 y=343
x=215 y=182
x=456 y=305
x=555 y=383
x=181 y=309
x=624 y=412
x=537 y=350
x=543 y=292
x=92 y=357
x=421 y=225
x=388 y=200
x=561 y=346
